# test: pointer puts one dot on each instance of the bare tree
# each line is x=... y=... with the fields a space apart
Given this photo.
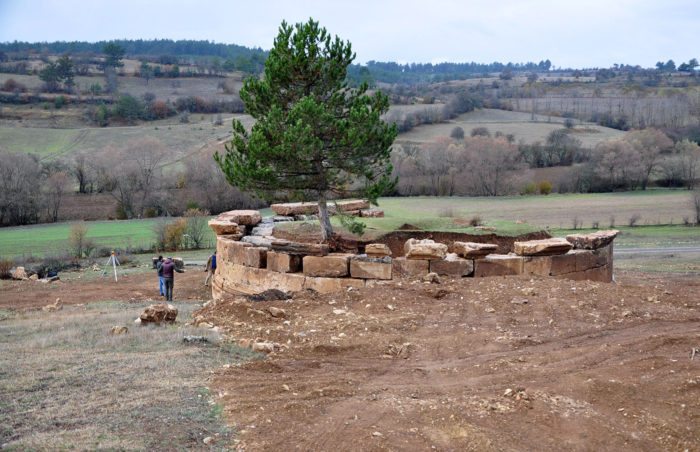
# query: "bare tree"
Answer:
x=696 y=206
x=77 y=239
x=688 y=154
x=649 y=144
x=54 y=189
x=196 y=226
x=20 y=194
x=491 y=164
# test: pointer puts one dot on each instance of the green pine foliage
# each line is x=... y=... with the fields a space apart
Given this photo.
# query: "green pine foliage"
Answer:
x=314 y=137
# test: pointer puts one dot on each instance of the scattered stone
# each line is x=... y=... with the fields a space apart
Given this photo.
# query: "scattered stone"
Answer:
x=508 y=393
x=56 y=306
x=195 y=339
x=424 y=249
x=377 y=434
x=519 y=301
x=49 y=279
x=473 y=250
x=34 y=277
x=545 y=247
x=432 y=278
x=117 y=330
x=208 y=440
x=592 y=241
x=264 y=347
x=339 y=311
x=159 y=313
x=277 y=313
x=286 y=387
x=19 y=274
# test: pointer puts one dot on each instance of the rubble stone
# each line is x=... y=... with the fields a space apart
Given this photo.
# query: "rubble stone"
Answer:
x=159 y=313
x=19 y=273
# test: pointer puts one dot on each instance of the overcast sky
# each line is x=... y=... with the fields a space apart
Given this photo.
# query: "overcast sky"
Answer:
x=583 y=33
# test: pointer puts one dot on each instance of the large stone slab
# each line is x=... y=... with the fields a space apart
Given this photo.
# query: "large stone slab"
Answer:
x=452 y=265
x=265 y=242
x=499 y=265
x=413 y=268
x=473 y=250
x=424 y=249
x=592 y=241
x=283 y=262
x=370 y=267
x=304 y=249
x=546 y=247
x=295 y=208
x=224 y=227
x=331 y=266
x=241 y=217
x=377 y=250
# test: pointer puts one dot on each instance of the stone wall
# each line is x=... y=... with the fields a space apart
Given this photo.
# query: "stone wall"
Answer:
x=251 y=260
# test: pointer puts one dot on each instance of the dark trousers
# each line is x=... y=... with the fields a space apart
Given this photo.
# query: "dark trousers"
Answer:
x=169 y=283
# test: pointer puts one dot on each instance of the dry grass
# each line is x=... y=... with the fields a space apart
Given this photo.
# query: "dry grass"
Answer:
x=521 y=125
x=66 y=383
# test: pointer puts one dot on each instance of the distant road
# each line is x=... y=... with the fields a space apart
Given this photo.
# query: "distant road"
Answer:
x=662 y=250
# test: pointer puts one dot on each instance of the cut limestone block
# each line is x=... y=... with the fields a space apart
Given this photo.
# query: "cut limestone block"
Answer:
x=410 y=267
x=223 y=227
x=592 y=241
x=372 y=213
x=242 y=217
x=370 y=267
x=499 y=265
x=424 y=249
x=452 y=265
x=546 y=247
x=335 y=265
x=330 y=285
x=283 y=262
x=225 y=248
x=537 y=265
x=377 y=250
x=255 y=256
x=304 y=249
x=237 y=252
x=472 y=250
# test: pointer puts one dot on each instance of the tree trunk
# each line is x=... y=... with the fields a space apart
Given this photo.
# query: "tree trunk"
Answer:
x=324 y=219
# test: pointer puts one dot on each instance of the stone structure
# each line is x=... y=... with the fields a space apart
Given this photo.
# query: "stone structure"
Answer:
x=254 y=263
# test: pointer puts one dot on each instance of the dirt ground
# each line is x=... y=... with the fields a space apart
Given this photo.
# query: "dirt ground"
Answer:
x=470 y=364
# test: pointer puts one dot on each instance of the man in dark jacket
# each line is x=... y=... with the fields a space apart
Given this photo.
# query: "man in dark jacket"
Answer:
x=169 y=270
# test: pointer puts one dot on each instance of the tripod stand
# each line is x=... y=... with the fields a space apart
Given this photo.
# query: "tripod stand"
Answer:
x=113 y=261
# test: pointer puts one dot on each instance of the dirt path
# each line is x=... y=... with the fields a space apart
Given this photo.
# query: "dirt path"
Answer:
x=496 y=364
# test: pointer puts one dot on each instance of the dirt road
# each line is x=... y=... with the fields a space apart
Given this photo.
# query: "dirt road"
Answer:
x=491 y=364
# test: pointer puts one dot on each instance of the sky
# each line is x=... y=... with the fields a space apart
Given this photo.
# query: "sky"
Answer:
x=578 y=34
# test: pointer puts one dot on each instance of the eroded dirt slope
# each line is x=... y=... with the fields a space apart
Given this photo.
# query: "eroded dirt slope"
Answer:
x=471 y=364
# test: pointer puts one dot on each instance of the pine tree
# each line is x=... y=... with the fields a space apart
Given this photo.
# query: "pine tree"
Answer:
x=314 y=137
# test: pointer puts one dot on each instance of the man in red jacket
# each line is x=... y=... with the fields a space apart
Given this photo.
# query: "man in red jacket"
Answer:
x=169 y=270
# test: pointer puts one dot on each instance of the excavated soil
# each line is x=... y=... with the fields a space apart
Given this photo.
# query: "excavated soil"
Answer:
x=470 y=364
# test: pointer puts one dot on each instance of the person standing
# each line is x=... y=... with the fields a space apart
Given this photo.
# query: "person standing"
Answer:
x=211 y=268
x=159 y=269
x=169 y=270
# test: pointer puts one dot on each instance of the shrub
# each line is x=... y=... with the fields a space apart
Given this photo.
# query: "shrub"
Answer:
x=196 y=226
x=530 y=189
x=13 y=86
x=457 y=133
x=612 y=221
x=59 y=102
x=77 y=240
x=544 y=187
x=633 y=220
x=475 y=221
x=5 y=267
x=480 y=132
x=569 y=123
x=184 y=117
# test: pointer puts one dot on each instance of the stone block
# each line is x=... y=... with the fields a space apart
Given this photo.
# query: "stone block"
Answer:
x=370 y=267
x=254 y=256
x=546 y=247
x=377 y=250
x=473 y=250
x=424 y=249
x=330 y=285
x=304 y=249
x=563 y=263
x=264 y=242
x=283 y=262
x=295 y=208
x=537 y=265
x=592 y=241
x=410 y=267
x=223 y=226
x=241 y=217
x=452 y=265
x=499 y=265
x=331 y=266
